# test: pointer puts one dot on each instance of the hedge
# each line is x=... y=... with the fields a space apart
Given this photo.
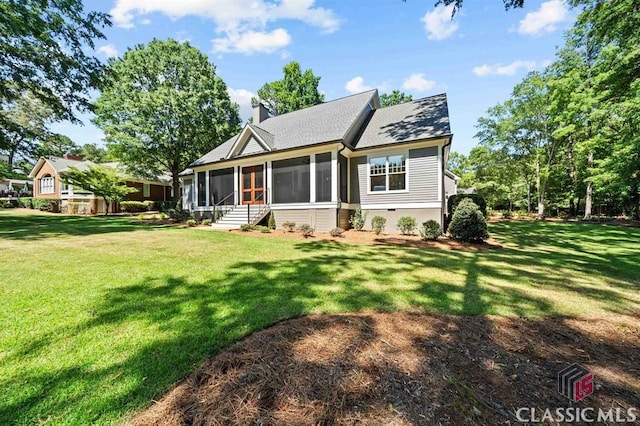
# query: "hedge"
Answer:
x=454 y=200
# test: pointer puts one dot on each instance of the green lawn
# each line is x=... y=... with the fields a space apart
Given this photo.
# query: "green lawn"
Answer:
x=100 y=316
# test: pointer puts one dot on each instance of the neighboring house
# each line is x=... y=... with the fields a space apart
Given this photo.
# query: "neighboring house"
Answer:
x=47 y=184
x=318 y=164
x=450 y=184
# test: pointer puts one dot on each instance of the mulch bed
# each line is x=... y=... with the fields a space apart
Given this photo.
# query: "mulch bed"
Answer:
x=405 y=368
x=370 y=238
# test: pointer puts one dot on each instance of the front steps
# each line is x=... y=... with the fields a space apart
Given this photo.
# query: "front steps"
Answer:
x=237 y=216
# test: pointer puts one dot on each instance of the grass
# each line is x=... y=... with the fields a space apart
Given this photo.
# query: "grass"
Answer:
x=100 y=316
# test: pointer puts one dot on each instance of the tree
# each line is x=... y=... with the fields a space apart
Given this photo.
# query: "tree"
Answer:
x=103 y=181
x=56 y=145
x=295 y=91
x=25 y=122
x=162 y=107
x=394 y=98
x=44 y=52
x=95 y=153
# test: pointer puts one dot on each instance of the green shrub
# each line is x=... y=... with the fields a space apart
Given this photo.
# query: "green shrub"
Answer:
x=164 y=206
x=178 y=214
x=6 y=204
x=206 y=222
x=263 y=229
x=454 y=200
x=148 y=205
x=430 y=230
x=306 y=229
x=407 y=225
x=336 y=232
x=133 y=206
x=506 y=214
x=141 y=216
x=25 y=202
x=468 y=223
x=192 y=222
x=246 y=227
x=272 y=221
x=378 y=223
x=289 y=226
x=163 y=216
x=46 y=204
x=358 y=219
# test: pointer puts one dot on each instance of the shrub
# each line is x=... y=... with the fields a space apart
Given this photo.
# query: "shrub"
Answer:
x=6 y=204
x=430 y=230
x=246 y=227
x=206 y=222
x=263 y=229
x=454 y=200
x=148 y=205
x=336 y=232
x=378 y=223
x=164 y=206
x=163 y=216
x=506 y=214
x=272 y=221
x=191 y=222
x=306 y=230
x=46 y=204
x=468 y=223
x=133 y=206
x=25 y=202
x=358 y=219
x=407 y=225
x=179 y=215
x=141 y=216
x=289 y=226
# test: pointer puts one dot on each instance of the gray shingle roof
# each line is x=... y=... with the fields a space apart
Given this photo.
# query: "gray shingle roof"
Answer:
x=326 y=122
x=263 y=134
x=419 y=119
x=61 y=164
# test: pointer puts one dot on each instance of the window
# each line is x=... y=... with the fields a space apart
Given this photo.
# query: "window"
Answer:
x=202 y=188
x=188 y=191
x=388 y=173
x=46 y=185
x=221 y=186
x=146 y=190
x=323 y=177
x=291 y=180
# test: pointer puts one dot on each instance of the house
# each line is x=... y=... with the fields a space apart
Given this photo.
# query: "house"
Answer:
x=450 y=184
x=318 y=164
x=47 y=184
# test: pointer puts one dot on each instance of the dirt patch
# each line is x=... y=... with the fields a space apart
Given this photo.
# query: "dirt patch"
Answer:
x=370 y=238
x=405 y=368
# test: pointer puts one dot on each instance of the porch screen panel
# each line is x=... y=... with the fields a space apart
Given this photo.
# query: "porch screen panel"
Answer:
x=292 y=180
x=221 y=186
x=342 y=171
x=202 y=188
x=188 y=192
x=323 y=177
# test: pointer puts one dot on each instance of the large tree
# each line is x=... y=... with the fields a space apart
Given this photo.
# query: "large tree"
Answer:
x=44 y=52
x=394 y=98
x=295 y=91
x=162 y=106
x=103 y=181
x=56 y=145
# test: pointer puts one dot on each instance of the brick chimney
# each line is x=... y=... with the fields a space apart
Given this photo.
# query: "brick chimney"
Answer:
x=72 y=157
x=260 y=113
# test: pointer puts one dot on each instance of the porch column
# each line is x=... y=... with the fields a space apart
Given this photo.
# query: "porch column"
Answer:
x=269 y=183
x=236 y=189
x=335 y=184
x=312 y=179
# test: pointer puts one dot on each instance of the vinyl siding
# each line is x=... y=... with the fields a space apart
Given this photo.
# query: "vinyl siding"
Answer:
x=356 y=164
x=322 y=220
x=392 y=216
x=251 y=147
x=422 y=179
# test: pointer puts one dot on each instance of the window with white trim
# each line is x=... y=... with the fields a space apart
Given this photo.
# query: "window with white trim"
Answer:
x=388 y=173
x=146 y=190
x=46 y=184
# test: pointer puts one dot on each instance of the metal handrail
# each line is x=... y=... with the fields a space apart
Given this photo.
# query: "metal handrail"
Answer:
x=260 y=210
x=219 y=203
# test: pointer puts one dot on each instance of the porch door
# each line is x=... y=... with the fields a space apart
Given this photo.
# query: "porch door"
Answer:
x=253 y=185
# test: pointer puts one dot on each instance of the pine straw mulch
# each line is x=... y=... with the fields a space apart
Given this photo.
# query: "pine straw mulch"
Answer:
x=404 y=368
x=370 y=238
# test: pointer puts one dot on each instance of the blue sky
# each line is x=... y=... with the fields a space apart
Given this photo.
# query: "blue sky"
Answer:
x=353 y=45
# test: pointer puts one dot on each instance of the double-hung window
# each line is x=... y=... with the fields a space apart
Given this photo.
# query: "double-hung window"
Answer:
x=388 y=173
x=47 y=184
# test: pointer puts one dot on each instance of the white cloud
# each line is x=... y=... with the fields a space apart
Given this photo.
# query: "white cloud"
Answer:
x=356 y=85
x=252 y=41
x=243 y=98
x=509 y=69
x=438 y=23
x=544 y=20
x=108 y=50
x=145 y=21
x=239 y=22
x=418 y=83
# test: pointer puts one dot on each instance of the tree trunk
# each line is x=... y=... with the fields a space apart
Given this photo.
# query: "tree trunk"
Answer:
x=540 y=193
x=106 y=206
x=176 y=187
x=588 y=204
x=572 y=207
x=10 y=159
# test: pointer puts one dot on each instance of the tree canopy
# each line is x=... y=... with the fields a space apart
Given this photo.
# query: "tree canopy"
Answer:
x=295 y=91
x=394 y=98
x=162 y=107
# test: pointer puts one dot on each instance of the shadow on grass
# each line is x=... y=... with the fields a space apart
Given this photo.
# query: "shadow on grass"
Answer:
x=40 y=226
x=186 y=322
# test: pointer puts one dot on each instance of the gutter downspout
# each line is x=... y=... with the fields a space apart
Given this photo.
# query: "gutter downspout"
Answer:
x=444 y=166
x=339 y=178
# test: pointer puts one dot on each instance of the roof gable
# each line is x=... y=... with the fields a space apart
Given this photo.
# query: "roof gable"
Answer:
x=250 y=141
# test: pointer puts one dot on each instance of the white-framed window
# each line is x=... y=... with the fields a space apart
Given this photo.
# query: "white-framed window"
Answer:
x=146 y=190
x=46 y=184
x=388 y=173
